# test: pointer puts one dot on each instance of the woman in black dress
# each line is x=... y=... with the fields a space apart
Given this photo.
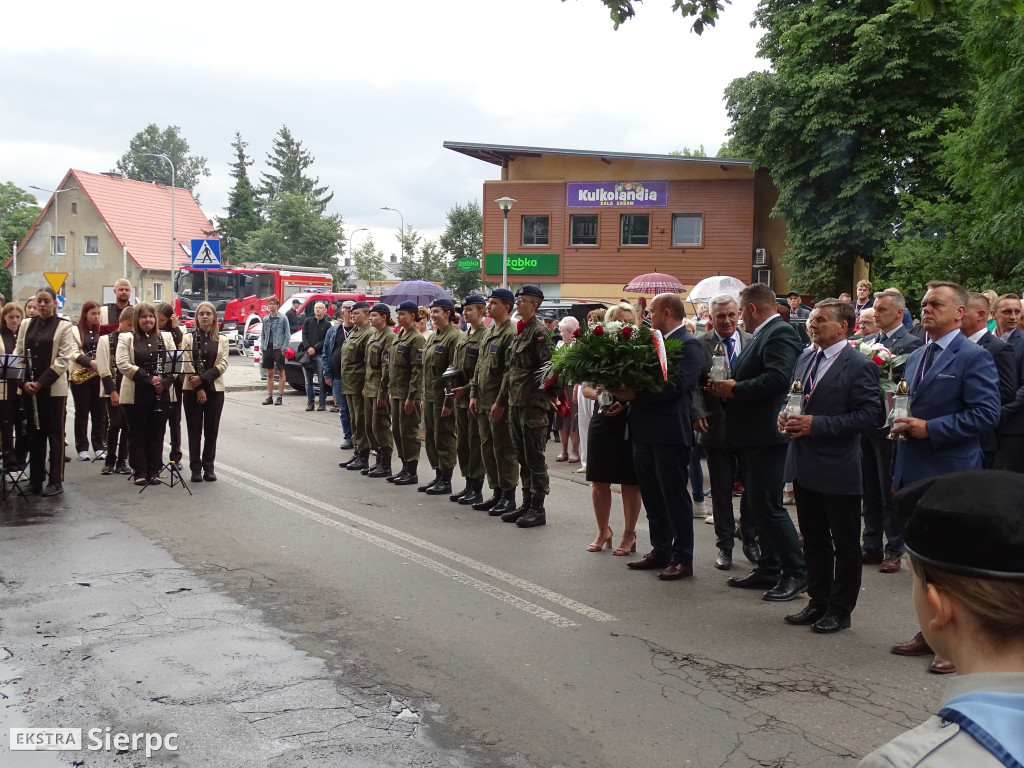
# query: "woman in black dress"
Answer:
x=85 y=389
x=610 y=460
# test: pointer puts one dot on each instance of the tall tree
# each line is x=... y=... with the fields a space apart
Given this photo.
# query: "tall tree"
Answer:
x=242 y=216
x=705 y=11
x=18 y=209
x=288 y=162
x=848 y=122
x=137 y=163
x=296 y=232
x=462 y=238
x=368 y=261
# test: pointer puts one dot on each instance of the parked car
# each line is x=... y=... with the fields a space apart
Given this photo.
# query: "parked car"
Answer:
x=293 y=371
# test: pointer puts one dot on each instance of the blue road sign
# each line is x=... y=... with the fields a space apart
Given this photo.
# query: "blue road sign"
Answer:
x=60 y=301
x=205 y=254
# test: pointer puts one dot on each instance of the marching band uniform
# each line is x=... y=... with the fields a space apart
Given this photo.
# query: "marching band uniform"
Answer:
x=86 y=395
x=137 y=359
x=51 y=341
x=207 y=358
x=110 y=381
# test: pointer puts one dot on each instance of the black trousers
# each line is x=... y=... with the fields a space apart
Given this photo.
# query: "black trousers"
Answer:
x=879 y=509
x=203 y=423
x=661 y=474
x=89 y=404
x=117 y=434
x=146 y=427
x=722 y=472
x=830 y=524
x=762 y=468
x=1011 y=451
x=52 y=412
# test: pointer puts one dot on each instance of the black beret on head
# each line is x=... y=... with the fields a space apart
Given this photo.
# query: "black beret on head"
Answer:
x=409 y=306
x=532 y=291
x=967 y=522
x=360 y=305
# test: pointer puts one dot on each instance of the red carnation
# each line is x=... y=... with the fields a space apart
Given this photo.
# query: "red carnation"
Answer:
x=627 y=332
x=576 y=333
x=878 y=361
x=599 y=330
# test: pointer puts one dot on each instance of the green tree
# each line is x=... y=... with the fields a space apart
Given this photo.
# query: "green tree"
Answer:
x=18 y=210
x=463 y=238
x=296 y=232
x=687 y=152
x=137 y=163
x=428 y=265
x=706 y=11
x=242 y=215
x=368 y=261
x=848 y=122
x=289 y=162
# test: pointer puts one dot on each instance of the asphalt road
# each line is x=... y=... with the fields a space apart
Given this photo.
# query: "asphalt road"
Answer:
x=295 y=613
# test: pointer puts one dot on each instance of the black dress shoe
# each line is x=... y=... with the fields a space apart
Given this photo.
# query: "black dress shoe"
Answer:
x=810 y=614
x=648 y=562
x=209 y=477
x=752 y=552
x=197 y=477
x=754 y=580
x=724 y=560
x=830 y=623
x=788 y=588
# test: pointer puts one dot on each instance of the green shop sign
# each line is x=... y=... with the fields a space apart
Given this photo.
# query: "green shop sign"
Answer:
x=524 y=264
x=468 y=264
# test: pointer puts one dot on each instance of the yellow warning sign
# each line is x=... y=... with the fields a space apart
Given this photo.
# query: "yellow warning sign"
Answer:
x=55 y=279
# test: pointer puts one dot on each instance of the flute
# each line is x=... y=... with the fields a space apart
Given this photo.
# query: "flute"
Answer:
x=32 y=398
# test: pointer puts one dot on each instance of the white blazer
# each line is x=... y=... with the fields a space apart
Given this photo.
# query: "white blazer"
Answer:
x=221 y=363
x=125 y=359
x=61 y=354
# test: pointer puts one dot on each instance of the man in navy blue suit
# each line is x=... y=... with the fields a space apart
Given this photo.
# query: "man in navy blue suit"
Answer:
x=1007 y=312
x=823 y=463
x=662 y=435
x=954 y=399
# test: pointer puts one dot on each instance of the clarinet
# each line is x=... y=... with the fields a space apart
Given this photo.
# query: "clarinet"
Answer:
x=33 y=403
x=160 y=355
x=198 y=354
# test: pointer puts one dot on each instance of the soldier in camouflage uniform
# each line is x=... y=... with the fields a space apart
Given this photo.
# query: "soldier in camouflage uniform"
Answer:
x=438 y=413
x=467 y=352
x=488 y=401
x=529 y=407
x=405 y=388
x=378 y=407
x=353 y=377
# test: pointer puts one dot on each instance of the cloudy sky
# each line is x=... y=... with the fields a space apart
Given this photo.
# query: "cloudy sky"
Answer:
x=372 y=89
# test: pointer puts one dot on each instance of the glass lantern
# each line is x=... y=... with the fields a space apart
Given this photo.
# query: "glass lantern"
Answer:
x=719 y=364
x=900 y=409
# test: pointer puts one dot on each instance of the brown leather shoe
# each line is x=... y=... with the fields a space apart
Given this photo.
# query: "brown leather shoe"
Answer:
x=915 y=646
x=871 y=558
x=648 y=562
x=941 y=666
x=676 y=571
x=890 y=563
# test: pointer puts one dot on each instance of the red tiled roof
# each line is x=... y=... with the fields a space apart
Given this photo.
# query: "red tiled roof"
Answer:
x=139 y=213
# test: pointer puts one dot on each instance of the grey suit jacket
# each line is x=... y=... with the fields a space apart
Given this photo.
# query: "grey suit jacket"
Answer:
x=706 y=405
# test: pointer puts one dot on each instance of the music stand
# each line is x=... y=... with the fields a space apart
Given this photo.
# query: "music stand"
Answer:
x=173 y=365
x=11 y=372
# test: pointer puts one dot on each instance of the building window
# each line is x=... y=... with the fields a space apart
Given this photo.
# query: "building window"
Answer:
x=92 y=245
x=158 y=292
x=687 y=228
x=74 y=208
x=636 y=229
x=583 y=230
x=535 y=230
x=58 y=246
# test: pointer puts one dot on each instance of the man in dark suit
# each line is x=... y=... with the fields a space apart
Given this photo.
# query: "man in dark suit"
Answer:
x=755 y=395
x=662 y=434
x=954 y=398
x=823 y=463
x=709 y=422
x=975 y=327
x=1007 y=313
x=876 y=447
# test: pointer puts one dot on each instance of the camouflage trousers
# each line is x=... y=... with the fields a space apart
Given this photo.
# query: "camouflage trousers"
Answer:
x=439 y=436
x=406 y=430
x=357 y=415
x=529 y=425
x=496 y=448
x=378 y=424
x=471 y=463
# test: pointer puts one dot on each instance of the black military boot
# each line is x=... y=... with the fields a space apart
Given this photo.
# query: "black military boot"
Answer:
x=437 y=476
x=403 y=471
x=367 y=469
x=515 y=514
x=353 y=460
x=442 y=486
x=486 y=506
x=536 y=515
x=362 y=461
x=473 y=496
x=456 y=496
x=506 y=504
x=410 y=477
x=383 y=468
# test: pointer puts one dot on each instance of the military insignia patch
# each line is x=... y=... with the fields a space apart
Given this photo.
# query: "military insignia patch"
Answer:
x=387 y=356
x=419 y=355
x=540 y=338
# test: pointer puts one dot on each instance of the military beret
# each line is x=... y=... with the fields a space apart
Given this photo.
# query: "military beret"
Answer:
x=503 y=294
x=474 y=298
x=443 y=303
x=409 y=306
x=966 y=522
x=381 y=309
x=360 y=305
x=532 y=291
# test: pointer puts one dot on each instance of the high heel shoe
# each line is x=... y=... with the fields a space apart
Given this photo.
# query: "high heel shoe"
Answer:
x=602 y=541
x=621 y=551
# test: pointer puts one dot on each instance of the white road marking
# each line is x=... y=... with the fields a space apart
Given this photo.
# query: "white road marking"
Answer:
x=274 y=493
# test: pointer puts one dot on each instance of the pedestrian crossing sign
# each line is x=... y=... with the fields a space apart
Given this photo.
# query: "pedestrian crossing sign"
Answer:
x=206 y=254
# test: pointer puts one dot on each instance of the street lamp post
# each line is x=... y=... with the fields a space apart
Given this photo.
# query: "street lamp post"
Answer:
x=401 y=239
x=505 y=203
x=56 y=217
x=351 y=238
x=170 y=163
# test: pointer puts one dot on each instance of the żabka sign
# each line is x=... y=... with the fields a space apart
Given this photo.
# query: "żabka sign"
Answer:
x=616 y=194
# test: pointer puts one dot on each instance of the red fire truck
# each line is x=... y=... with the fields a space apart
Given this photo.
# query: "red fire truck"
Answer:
x=240 y=291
